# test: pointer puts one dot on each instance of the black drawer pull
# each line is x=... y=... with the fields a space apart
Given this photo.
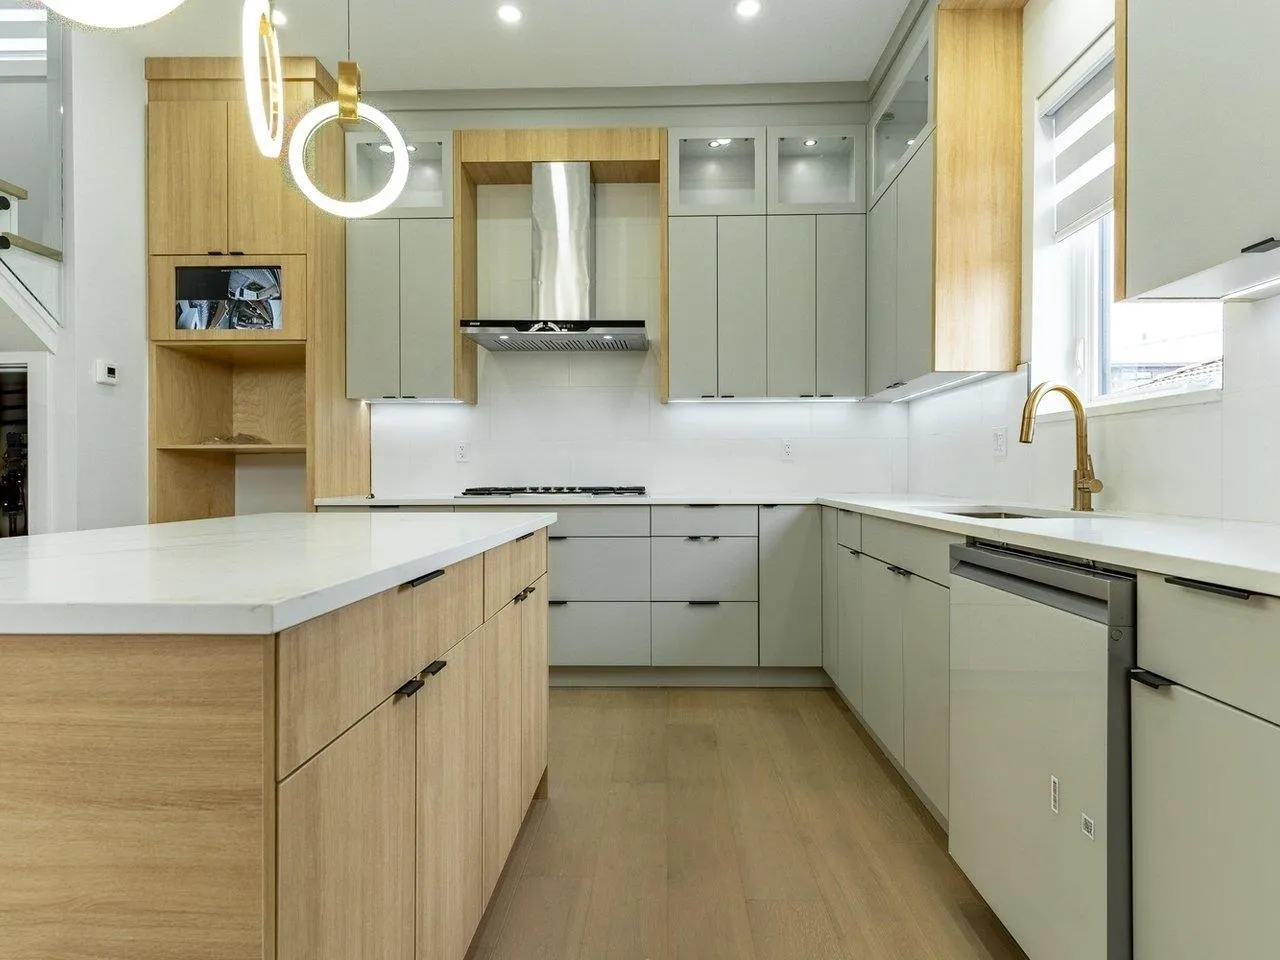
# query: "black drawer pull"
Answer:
x=806 y=396
x=384 y=506
x=557 y=539
x=727 y=396
x=704 y=603
x=558 y=603
x=1217 y=589
x=215 y=253
x=703 y=539
x=900 y=571
x=436 y=667
x=412 y=687
x=425 y=578
x=1262 y=246
x=854 y=553
x=768 y=506
x=702 y=506
x=708 y=396
x=527 y=536
x=827 y=396
x=1149 y=679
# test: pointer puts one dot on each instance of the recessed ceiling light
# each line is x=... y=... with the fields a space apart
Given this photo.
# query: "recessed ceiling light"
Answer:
x=278 y=17
x=911 y=142
x=747 y=9
x=510 y=13
x=607 y=336
x=386 y=148
x=503 y=336
x=413 y=148
x=811 y=143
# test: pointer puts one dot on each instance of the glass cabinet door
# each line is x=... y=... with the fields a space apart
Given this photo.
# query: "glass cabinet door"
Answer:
x=429 y=192
x=902 y=120
x=717 y=171
x=817 y=169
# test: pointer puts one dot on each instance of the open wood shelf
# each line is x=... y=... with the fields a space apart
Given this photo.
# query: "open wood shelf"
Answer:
x=239 y=353
x=233 y=448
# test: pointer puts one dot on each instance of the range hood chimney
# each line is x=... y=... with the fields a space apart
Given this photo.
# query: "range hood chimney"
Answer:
x=564 y=254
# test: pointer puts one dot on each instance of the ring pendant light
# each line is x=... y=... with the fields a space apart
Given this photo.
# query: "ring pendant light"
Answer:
x=266 y=120
x=348 y=109
x=112 y=14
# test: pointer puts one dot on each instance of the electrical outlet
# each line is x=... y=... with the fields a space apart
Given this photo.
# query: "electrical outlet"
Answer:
x=462 y=451
x=1000 y=443
x=1055 y=796
x=788 y=452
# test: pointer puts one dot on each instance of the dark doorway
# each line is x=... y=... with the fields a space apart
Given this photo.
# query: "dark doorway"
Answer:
x=13 y=451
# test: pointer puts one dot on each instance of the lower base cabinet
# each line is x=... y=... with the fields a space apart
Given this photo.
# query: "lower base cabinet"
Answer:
x=849 y=624
x=346 y=844
x=534 y=666
x=926 y=688
x=709 y=634
x=595 y=634
x=1206 y=788
x=503 y=786
x=883 y=597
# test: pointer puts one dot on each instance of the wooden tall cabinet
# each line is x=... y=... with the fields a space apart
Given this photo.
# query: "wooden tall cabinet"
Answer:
x=214 y=204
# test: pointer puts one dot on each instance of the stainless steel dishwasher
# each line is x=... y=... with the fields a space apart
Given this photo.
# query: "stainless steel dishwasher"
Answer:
x=1041 y=649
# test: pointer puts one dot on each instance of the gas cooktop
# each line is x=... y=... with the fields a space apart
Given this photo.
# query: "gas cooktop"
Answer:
x=554 y=491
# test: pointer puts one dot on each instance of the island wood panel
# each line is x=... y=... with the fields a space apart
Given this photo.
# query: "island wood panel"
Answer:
x=512 y=567
x=162 y=282
x=451 y=895
x=136 y=795
x=335 y=669
x=535 y=145
x=347 y=826
x=978 y=213
x=447 y=609
x=535 y=660
x=502 y=791
x=186 y=145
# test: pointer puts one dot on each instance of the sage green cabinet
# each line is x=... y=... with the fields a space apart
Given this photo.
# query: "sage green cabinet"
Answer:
x=740 y=298
x=882 y=606
x=882 y=292
x=926 y=688
x=400 y=328
x=694 y=310
x=849 y=591
x=792 y=280
x=841 y=304
x=830 y=595
x=790 y=586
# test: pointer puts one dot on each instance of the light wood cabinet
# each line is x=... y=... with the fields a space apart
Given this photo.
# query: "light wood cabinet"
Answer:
x=187 y=143
x=450 y=889
x=882 y=607
x=400 y=331
x=790 y=586
x=1198 y=125
x=266 y=213
x=926 y=688
x=501 y=793
x=346 y=826
x=534 y=659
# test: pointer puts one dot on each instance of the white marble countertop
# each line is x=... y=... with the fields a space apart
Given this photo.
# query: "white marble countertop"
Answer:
x=1233 y=553
x=1228 y=552
x=238 y=575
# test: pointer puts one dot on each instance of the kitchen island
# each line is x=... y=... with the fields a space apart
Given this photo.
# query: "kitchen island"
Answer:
x=287 y=736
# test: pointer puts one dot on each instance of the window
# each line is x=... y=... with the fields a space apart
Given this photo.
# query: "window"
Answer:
x=1106 y=349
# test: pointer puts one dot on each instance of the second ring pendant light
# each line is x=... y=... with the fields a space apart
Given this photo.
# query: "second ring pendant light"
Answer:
x=348 y=108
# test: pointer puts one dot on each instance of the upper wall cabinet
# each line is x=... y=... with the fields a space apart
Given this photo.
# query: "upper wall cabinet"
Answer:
x=945 y=236
x=1198 y=131
x=429 y=192
x=245 y=204
x=717 y=171
x=904 y=111
x=817 y=169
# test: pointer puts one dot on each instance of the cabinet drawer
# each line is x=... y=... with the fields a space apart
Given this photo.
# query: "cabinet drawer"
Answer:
x=1222 y=646
x=446 y=608
x=334 y=669
x=510 y=568
x=592 y=521
x=600 y=568
x=719 y=635
x=599 y=634
x=849 y=529
x=925 y=552
x=705 y=568
x=694 y=521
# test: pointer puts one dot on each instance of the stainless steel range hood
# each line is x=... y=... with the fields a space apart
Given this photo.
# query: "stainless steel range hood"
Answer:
x=564 y=247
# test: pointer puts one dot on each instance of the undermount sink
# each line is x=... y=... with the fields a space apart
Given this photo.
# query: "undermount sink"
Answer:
x=993 y=515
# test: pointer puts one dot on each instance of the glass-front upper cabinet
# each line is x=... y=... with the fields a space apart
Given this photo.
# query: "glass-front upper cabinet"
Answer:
x=429 y=192
x=903 y=116
x=818 y=169
x=716 y=171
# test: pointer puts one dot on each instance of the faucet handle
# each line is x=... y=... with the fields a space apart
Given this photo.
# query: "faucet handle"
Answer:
x=1091 y=484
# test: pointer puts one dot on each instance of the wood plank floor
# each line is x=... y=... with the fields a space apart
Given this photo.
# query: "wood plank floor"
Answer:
x=734 y=824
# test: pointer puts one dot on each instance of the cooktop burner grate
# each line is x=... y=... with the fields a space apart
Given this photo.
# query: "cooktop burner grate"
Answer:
x=554 y=491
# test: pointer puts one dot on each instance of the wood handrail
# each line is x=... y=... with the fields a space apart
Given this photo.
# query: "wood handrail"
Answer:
x=12 y=190
x=8 y=240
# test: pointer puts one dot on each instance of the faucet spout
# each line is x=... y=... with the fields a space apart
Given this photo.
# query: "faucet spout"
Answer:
x=1085 y=482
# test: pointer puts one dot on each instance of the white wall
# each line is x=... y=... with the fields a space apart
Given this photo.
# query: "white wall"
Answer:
x=24 y=153
x=99 y=460
x=1219 y=458
x=595 y=418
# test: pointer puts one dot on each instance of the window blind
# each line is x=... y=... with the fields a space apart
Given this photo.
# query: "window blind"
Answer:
x=1084 y=153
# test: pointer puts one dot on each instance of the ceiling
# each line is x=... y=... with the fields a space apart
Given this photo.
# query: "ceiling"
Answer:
x=460 y=44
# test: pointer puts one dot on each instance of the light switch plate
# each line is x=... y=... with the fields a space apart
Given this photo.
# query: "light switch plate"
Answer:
x=1000 y=443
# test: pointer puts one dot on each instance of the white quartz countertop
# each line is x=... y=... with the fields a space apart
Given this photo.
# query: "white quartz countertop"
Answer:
x=558 y=500
x=238 y=575
x=1227 y=552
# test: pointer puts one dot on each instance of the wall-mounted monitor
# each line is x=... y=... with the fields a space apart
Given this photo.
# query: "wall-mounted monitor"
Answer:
x=229 y=298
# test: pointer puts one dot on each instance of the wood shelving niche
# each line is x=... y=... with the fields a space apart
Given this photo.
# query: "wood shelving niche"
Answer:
x=215 y=205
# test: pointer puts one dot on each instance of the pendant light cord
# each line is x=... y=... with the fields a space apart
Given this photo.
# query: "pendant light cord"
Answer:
x=348 y=29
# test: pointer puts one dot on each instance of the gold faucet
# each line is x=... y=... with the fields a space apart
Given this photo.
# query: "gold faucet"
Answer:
x=1085 y=482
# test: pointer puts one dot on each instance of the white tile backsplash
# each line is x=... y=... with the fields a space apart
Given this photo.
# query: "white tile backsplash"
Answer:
x=595 y=418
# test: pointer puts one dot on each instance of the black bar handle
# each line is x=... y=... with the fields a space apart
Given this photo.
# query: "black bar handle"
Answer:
x=527 y=536
x=768 y=506
x=384 y=506
x=1262 y=246
x=727 y=396
x=557 y=539
x=900 y=571
x=425 y=578
x=436 y=667
x=827 y=396
x=853 y=552
x=806 y=396
x=702 y=506
x=1235 y=593
x=237 y=253
x=1149 y=679
x=557 y=603
x=694 y=539
x=708 y=396
x=704 y=603
x=215 y=253
x=412 y=687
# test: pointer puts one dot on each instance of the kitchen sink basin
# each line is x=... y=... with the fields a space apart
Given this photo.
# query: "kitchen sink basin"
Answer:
x=993 y=515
